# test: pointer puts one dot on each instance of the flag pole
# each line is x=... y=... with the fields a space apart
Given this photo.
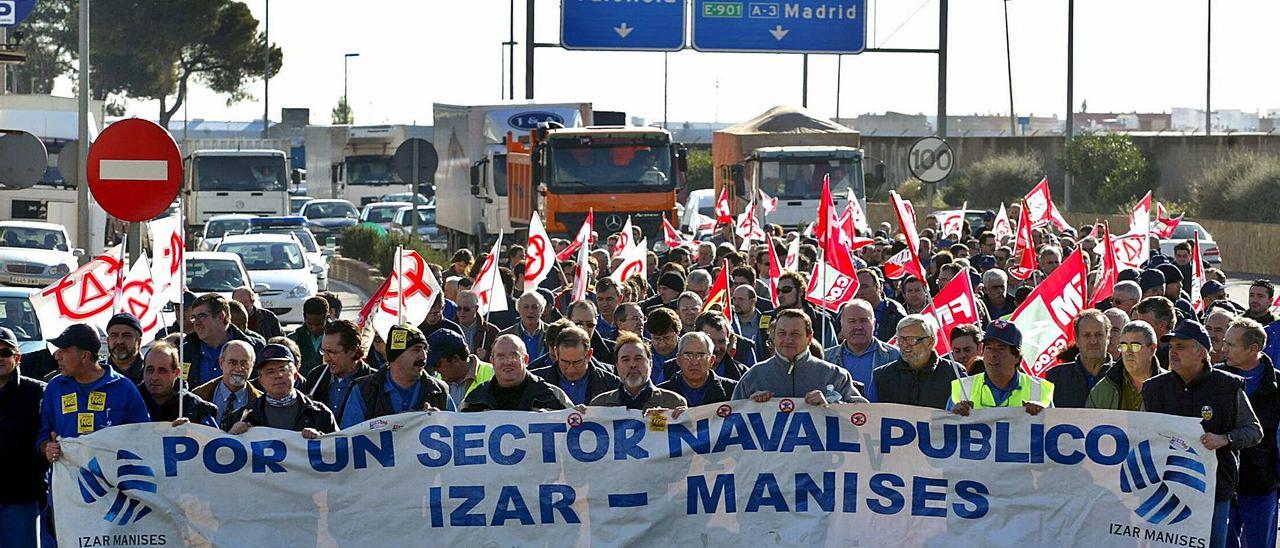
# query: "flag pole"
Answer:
x=399 y=271
x=494 y=283
x=124 y=264
x=964 y=392
x=182 y=281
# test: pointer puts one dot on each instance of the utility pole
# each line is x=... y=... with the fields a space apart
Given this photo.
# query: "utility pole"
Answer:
x=528 y=49
x=1208 y=66
x=266 y=70
x=804 y=88
x=839 y=66
x=942 y=71
x=511 y=53
x=1071 y=107
x=83 y=234
x=1008 y=57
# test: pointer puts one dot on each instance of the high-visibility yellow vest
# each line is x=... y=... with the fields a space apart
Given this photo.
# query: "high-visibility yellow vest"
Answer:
x=484 y=372
x=1030 y=389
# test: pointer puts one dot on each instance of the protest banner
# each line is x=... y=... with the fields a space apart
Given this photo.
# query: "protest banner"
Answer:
x=736 y=474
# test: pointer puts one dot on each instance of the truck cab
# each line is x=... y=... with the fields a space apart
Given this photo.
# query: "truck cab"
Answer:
x=218 y=182
x=794 y=175
x=615 y=171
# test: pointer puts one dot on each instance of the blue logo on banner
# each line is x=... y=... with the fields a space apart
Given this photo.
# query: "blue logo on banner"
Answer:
x=1161 y=505
x=530 y=120
x=131 y=475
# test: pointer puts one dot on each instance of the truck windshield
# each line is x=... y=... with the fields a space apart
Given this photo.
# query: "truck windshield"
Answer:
x=241 y=173
x=611 y=165
x=801 y=178
x=371 y=170
x=500 y=174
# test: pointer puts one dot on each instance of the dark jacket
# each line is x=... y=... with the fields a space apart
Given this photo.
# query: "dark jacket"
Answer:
x=377 y=402
x=599 y=380
x=24 y=467
x=603 y=349
x=318 y=380
x=728 y=368
x=482 y=343
x=133 y=374
x=314 y=415
x=306 y=343
x=719 y=389
x=930 y=386
x=888 y=313
x=265 y=323
x=191 y=354
x=1258 y=474
x=195 y=409
x=1217 y=398
x=1071 y=382
x=539 y=395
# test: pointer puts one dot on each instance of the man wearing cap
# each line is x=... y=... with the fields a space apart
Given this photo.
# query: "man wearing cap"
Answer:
x=513 y=387
x=261 y=321
x=450 y=359
x=1151 y=281
x=1193 y=388
x=637 y=390
x=1002 y=384
x=161 y=390
x=670 y=286
x=231 y=390
x=24 y=488
x=344 y=363
x=211 y=329
x=1253 y=512
x=402 y=386
x=1073 y=381
x=1173 y=290
x=529 y=328
x=85 y=397
x=281 y=405
x=124 y=346
x=315 y=315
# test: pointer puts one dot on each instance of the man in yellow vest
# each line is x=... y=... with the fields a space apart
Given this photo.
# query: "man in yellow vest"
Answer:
x=451 y=360
x=1003 y=384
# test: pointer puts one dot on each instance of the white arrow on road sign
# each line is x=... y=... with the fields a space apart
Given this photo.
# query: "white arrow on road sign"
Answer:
x=778 y=32
x=623 y=30
x=133 y=170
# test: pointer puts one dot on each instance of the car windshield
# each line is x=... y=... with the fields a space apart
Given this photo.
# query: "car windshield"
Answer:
x=241 y=173
x=605 y=165
x=1186 y=231
x=32 y=238
x=267 y=255
x=418 y=199
x=303 y=235
x=330 y=210
x=220 y=227
x=205 y=275
x=801 y=179
x=384 y=214
x=16 y=313
x=426 y=217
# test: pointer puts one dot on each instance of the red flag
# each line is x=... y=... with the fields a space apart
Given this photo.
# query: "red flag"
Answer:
x=775 y=272
x=907 y=224
x=1045 y=317
x=670 y=235
x=724 y=214
x=1043 y=212
x=1110 y=270
x=826 y=225
x=953 y=306
x=1140 y=218
x=583 y=238
x=1024 y=248
x=829 y=287
x=902 y=264
x=1164 y=226
x=1197 y=274
x=718 y=293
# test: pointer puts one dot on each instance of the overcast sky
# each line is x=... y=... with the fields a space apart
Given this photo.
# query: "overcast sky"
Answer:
x=1144 y=55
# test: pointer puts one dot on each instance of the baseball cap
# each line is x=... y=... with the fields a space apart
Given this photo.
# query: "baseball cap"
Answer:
x=1151 y=278
x=80 y=336
x=1212 y=287
x=7 y=337
x=1129 y=275
x=984 y=262
x=1190 y=330
x=400 y=338
x=444 y=342
x=1003 y=331
x=1171 y=272
x=125 y=319
x=275 y=353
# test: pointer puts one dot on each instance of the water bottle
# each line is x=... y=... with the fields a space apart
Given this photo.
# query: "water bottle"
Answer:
x=832 y=395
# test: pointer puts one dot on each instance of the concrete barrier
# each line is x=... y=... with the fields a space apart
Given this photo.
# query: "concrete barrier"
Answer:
x=356 y=273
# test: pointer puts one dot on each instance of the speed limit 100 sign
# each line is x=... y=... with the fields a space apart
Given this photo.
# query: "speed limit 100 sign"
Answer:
x=930 y=159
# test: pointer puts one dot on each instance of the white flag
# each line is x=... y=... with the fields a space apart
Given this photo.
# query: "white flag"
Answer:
x=412 y=284
x=539 y=257
x=139 y=296
x=634 y=261
x=493 y=295
x=86 y=295
x=168 y=247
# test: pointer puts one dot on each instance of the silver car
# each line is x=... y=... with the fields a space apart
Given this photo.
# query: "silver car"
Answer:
x=1187 y=230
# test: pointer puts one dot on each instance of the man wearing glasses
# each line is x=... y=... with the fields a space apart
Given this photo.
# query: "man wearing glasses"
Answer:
x=211 y=330
x=344 y=362
x=231 y=390
x=478 y=333
x=920 y=377
x=664 y=327
x=696 y=381
x=573 y=370
x=583 y=314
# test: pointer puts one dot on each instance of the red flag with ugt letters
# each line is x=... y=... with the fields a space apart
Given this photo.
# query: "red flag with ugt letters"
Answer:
x=1197 y=274
x=829 y=287
x=1164 y=225
x=724 y=214
x=1045 y=317
x=1043 y=211
x=953 y=306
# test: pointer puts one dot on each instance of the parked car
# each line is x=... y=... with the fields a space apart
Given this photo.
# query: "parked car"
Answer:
x=221 y=225
x=278 y=266
x=1187 y=230
x=16 y=313
x=296 y=203
x=699 y=214
x=216 y=272
x=381 y=213
x=328 y=217
x=34 y=254
x=419 y=199
x=296 y=226
x=428 y=232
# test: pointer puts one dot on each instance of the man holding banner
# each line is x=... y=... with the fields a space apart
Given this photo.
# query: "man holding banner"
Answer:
x=793 y=372
x=921 y=377
x=513 y=387
x=1002 y=384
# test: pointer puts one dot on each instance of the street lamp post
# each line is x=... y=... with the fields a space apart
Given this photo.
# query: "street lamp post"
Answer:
x=345 y=101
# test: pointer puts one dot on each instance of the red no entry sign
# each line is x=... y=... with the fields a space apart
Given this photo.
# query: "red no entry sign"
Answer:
x=134 y=170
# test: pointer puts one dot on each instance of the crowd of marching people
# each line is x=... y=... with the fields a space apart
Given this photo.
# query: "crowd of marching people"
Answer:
x=704 y=322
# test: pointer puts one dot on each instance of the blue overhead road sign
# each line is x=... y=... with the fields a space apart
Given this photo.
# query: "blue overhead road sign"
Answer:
x=13 y=12
x=648 y=25
x=798 y=26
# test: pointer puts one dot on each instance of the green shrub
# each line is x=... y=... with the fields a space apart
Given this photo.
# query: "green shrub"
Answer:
x=1245 y=187
x=994 y=180
x=1108 y=170
x=700 y=169
x=367 y=245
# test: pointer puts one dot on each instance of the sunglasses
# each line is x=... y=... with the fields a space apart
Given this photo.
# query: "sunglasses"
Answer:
x=786 y=289
x=1130 y=347
x=8 y=352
